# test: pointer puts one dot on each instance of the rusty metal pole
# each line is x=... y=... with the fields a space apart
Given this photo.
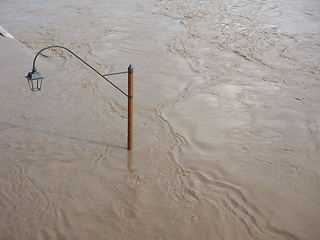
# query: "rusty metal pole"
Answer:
x=130 y=106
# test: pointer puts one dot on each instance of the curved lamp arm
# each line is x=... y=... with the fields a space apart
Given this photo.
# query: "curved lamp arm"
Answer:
x=36 y=77
x=56 y=46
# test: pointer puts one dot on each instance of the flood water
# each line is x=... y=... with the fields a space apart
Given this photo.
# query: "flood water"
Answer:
x=226 y=120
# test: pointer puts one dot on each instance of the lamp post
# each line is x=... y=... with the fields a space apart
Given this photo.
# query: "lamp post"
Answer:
x=35 y=84
x=130 y=106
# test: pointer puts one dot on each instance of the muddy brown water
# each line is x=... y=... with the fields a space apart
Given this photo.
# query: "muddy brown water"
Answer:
x=226 y=120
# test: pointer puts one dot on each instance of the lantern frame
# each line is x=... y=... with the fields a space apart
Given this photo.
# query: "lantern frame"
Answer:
x=34 y=80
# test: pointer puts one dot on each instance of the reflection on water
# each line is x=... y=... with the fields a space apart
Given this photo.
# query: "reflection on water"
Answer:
x=129 y=161
x=226 y=120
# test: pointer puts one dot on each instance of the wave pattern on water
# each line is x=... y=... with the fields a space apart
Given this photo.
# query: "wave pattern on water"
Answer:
x=226 y=121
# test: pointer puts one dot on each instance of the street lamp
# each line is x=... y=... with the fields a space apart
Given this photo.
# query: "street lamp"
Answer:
x=35 y=83
x=34 y=80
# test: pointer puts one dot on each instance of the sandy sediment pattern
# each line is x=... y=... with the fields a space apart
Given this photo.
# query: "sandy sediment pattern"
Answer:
x=226 y=121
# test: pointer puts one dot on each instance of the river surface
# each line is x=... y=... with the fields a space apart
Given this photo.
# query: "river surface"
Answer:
x=226 y=120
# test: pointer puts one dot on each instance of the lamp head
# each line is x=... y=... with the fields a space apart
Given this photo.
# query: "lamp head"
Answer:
x=34 y=80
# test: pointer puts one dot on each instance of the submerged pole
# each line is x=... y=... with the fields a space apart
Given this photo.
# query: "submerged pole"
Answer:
x=130 y=106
